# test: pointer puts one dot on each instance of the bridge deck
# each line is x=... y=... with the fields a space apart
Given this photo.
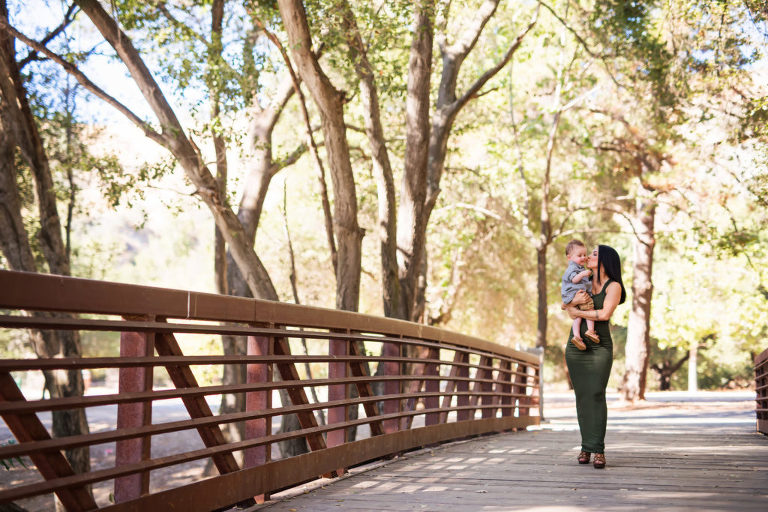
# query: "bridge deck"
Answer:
x=677 y=452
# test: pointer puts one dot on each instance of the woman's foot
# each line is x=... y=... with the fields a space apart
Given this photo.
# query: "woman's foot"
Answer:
x=584 y=457
x=578 y=343
x=599 y=461
x=592 y=335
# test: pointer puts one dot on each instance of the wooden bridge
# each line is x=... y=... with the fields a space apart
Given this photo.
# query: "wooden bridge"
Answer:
x=698 y=452
x=433 y=386
x=414 y=386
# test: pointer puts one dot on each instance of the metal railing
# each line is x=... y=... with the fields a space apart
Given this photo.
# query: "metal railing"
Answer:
x=431 y=385
x=761 y=390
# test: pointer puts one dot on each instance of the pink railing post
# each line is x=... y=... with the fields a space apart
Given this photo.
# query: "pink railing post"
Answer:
x=134 y=414
x=258 y=401
x=391 y=387
x=337 y=370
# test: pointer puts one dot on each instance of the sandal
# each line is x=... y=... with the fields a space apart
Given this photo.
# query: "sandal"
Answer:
x=584 y=457
x=592 y=335
x=578 y=343
x=599 y=462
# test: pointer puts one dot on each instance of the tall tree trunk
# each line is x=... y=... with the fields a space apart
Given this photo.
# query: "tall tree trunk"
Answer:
x=18 y=127
x=693 y=374
x=413 y=191
x=638 y=328
x=382 y=168
x=541 y=295
x=414 y=216
x=330 y=104
x=219 y=143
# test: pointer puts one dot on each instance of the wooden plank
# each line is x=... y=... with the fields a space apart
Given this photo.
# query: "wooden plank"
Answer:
x=51 y=465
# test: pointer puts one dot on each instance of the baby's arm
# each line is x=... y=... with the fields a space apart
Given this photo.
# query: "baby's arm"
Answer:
x=581 y=275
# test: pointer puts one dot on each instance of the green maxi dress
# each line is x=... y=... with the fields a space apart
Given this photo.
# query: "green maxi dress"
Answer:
x=589 y=370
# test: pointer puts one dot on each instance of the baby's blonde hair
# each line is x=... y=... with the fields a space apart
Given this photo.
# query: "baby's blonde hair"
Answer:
x=572 y=244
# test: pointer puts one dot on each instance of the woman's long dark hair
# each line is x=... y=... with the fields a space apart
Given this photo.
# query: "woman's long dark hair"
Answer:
x=608 y=259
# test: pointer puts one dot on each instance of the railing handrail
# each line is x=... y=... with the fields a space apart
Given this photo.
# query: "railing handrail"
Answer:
x=49 y=292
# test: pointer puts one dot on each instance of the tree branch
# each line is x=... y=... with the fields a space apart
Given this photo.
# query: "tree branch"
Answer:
x=480 y=82
x=69 y=17
x=582 y=42
x=86 y=82
x=461 y=48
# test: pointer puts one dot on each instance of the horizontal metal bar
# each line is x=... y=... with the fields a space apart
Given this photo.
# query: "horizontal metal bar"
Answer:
x=53 y=485
x=73 y=363
x=99 y=400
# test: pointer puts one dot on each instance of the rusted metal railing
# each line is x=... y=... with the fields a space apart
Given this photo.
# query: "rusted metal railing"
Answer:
x=431 y=386
x=761 y=390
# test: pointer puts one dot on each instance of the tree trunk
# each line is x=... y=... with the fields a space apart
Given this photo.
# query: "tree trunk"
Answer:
x=638 y=328
x=541 y=293
x=413 y=192
x=420 y=173
x=261 y=169
x=693 y=377
x=382 y=168
x=219 y=145
x=18 y=128
x=330 y=104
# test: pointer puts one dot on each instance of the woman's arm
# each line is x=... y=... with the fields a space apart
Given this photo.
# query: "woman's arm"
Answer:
x=612 y=297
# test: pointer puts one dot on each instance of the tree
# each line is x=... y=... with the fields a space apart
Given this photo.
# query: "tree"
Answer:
x=20 y=137
x=423 y=172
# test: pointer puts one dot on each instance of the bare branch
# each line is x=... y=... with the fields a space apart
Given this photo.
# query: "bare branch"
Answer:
x=326 y=204
x=288 y=160
x=461 y=48
x=582 y=42
x=85 y=82
x=473 y=90
x=69 y=17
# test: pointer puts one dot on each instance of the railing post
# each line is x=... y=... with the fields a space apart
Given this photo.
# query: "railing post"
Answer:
x=432 y=386
x=391 y=387
x=258 y=401
x=338 y=370
x=521 y=388
x=134 y=414
x=462 y=386
x=505 y=388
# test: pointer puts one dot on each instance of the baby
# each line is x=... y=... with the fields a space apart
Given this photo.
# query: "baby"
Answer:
x=576 y=278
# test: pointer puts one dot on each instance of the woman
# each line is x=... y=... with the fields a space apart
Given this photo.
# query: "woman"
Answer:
x=589 y=369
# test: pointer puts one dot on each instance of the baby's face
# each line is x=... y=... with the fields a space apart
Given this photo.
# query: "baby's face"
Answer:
x=578 y=255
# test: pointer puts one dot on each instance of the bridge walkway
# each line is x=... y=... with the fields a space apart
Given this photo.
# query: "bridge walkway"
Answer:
x=675 y=452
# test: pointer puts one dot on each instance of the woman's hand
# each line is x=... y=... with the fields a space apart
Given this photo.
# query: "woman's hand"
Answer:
x=580 y=298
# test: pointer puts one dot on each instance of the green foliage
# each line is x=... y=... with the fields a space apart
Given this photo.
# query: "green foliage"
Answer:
x=9 y=463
